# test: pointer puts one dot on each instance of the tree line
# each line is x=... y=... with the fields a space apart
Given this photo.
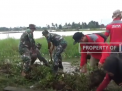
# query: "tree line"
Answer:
x=73 y=25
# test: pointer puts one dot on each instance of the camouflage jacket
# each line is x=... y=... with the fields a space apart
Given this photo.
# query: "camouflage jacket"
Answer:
x=27 y=40
x=55 y=39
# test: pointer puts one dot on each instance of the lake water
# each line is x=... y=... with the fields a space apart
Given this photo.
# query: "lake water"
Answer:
x=38 y=34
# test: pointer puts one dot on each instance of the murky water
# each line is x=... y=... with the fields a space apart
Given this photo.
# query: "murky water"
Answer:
x=68 y=68
x=38 y=34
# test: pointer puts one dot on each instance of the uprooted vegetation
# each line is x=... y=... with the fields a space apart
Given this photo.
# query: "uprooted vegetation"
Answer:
x=41 y=77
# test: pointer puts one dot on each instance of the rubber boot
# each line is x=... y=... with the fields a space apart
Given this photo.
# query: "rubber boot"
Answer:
x=60 y=65
x=60 y=62
x=55 y=69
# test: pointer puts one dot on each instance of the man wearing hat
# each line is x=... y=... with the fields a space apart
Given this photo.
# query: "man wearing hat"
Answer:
x=59 y=44
x=87 y=42
x=26 y=49
x=114 y=29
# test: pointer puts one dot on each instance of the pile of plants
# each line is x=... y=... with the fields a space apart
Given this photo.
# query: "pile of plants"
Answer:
x=42 y=78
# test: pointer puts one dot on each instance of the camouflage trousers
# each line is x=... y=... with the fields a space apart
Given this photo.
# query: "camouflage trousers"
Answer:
x=57 y=55
x=28 y=59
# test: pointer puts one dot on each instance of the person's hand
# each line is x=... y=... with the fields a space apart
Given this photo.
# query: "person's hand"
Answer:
x=50 y=51
x=100 y=65
x=120 y=84
x=83 y=69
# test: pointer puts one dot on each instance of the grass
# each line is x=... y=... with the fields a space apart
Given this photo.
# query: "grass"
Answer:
x=9 y=50
x=43 y=78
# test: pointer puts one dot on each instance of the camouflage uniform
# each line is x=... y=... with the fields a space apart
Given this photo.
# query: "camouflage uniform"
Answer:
x=27 y=44
x=38 y=55
x=60 y=44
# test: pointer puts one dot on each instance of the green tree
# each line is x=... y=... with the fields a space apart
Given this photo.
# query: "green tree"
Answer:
x=48 y=26
x=69 y=24
x=73 y=25
x=60 y=26
x=66 y=24
x=56 y=25
x=92 y=24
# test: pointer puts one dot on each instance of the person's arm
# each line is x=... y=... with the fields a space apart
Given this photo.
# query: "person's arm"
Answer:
x=83 y=56
x=104 y=50
x=48 y=41
x=49 y=44
x=107 y=32
x=53 y=47
x=49 y=47
x=105 y=54
x=104 y=83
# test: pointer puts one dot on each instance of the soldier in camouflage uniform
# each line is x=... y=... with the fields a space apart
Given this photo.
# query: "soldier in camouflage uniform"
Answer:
x=27 y=47
x=60 y=44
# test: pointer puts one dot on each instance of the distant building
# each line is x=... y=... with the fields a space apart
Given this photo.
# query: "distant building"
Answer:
x=102 y=26
x=52 y=30
x=67 y=27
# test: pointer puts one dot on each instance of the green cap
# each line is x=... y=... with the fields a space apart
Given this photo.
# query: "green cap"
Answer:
x=45 y=32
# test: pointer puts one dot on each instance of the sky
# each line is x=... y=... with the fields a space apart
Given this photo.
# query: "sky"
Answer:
x=15 y=13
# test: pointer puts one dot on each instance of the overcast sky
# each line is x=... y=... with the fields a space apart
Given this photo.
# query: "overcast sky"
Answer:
x=15 y=13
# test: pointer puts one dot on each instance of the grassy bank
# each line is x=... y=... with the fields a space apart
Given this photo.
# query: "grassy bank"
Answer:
x=10 y=73
x=9 y=48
